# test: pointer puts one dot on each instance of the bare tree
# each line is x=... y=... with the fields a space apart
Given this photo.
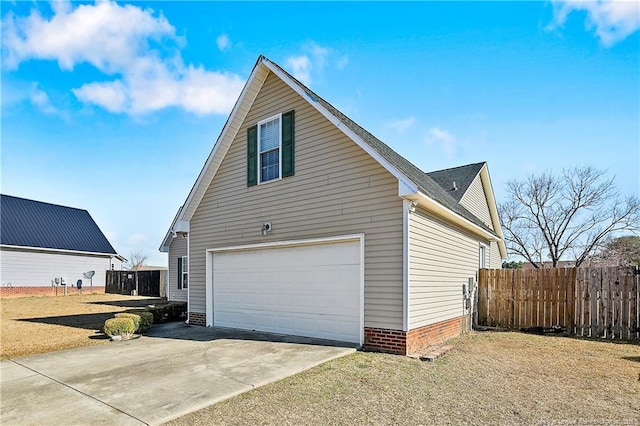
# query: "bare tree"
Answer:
x=136 y=261
x=546 y=216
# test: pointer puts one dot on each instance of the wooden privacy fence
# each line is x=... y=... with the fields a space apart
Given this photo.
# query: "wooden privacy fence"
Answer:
x=588 y=302
x=144 y=283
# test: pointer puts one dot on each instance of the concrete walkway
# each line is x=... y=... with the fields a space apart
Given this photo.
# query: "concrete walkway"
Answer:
x=175 y=370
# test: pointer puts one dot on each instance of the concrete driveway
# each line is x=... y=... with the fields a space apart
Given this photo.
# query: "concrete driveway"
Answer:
x=174 y=370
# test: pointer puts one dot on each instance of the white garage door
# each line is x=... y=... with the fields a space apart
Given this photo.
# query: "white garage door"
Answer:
x=310 y=290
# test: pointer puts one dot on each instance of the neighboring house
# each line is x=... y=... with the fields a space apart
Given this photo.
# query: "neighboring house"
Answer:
x=302 y=222
x=549 y=264
x=41 y=241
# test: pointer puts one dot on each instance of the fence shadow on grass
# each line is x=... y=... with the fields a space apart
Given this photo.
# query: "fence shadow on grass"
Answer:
x=131 y=303
x=85 y=321
x=95 y=321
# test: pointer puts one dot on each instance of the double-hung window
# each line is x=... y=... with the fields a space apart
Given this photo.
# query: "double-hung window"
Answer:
x=269 y=142
x=482 y=254
x=183 y=272
x=271 y=149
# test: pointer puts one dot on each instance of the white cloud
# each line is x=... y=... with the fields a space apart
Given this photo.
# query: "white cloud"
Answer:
x=112 y=96
x=442 y=137
x=312 y=62
x=223 y=42
x=300 y=68
x=613 y=21
x=128 y=42
x=403 y=124
x=40 y=100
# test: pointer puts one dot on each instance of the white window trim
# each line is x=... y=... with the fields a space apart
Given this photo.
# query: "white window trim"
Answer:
x=279 y=117
x=185 y=261
x=482 y=256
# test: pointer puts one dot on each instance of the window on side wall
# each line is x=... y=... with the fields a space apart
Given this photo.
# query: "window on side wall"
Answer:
x=482 y=256
x=269 y=140
x=183 y=273
x=270 y=149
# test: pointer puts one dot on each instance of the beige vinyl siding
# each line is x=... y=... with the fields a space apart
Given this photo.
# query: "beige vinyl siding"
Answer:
x=337 y=189
x=441 y=259
x=494 y=260
x=475 y=201
x=177 y=248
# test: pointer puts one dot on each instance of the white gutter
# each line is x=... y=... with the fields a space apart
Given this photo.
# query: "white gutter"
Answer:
x=89 y=253
x=438 y=209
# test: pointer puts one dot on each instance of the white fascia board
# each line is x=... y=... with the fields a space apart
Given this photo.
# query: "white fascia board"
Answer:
x=181 y=226
x=495 y=218
x=405 y=189
x=164 y=247
x=402 y=179
x=220 y=148
x=62 y=251
x=438 y=209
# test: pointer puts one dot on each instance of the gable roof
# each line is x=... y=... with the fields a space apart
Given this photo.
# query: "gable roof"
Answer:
x=34 y=224
x=411 y=179
x=423 y=181
x=461 y=176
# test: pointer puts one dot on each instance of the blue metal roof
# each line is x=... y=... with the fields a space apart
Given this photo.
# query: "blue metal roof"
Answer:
x=29 y=223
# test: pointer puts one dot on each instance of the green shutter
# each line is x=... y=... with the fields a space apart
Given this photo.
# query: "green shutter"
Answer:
x=288 y=149
x=179 y=273
x=252 y=156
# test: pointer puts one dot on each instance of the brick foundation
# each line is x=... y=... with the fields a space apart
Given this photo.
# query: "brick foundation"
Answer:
x=7 y=292
x=407 y=342
x=197 y=318
x=434 y=334
x=385 y=340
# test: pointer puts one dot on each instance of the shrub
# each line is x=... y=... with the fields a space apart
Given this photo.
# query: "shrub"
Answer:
x=177 y=311
x=135 y=317
x=123 y=327
x=158 y=314
x=146 y=320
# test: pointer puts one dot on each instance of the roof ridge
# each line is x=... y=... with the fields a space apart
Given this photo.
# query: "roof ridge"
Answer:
x=44 y=202
x=458 y=167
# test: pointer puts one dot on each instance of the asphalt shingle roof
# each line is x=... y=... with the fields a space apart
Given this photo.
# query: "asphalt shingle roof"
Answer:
x=30 y=223
x=462 y=176
x=427 y=184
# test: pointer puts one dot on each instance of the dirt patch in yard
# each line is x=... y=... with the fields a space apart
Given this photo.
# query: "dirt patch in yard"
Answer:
x=489 y=378
x=33 y=325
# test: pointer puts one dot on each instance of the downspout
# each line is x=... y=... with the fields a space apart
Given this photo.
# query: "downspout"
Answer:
x=188 y=275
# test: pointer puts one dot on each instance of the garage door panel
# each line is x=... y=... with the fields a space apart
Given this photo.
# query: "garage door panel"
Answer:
x=306 y=290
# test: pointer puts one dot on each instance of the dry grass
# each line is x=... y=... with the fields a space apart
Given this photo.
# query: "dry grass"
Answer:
x=33 y=325
x=490 y=378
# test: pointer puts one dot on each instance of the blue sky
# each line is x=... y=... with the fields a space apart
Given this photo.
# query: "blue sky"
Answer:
x=114 y=107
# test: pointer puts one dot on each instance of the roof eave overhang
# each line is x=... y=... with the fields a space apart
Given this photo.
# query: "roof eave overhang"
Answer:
x=177 y=227
x=437 y=209
x=63 y=251
x=493 y=209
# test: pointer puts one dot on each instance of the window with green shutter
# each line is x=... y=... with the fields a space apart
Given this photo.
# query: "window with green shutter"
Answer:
x=183 y=273
x=270 y=149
